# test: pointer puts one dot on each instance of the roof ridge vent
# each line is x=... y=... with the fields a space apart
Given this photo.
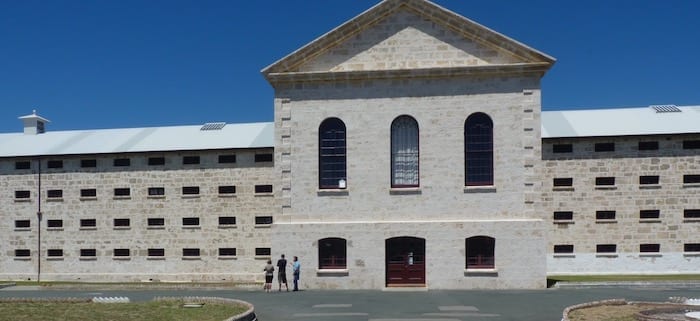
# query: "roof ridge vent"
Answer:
x=213 y=126
x=665 y=108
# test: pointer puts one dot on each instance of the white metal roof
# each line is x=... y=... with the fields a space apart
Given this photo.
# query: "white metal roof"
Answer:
x=126 y=140
x=652 y=120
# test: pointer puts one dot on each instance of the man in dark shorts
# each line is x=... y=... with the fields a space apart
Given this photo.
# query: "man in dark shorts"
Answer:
x=282 y=272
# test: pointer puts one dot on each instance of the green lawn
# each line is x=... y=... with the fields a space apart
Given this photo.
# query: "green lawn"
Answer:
x=551 y=280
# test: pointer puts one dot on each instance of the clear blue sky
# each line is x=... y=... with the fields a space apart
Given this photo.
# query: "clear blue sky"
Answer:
x=88 y=64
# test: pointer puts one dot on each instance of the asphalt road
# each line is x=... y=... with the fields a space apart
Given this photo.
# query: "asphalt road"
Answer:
x=366 y=305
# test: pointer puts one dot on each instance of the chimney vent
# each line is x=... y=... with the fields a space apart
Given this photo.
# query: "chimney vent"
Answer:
x=34 y=124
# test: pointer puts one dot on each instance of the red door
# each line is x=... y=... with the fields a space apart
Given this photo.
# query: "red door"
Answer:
x=405 y=261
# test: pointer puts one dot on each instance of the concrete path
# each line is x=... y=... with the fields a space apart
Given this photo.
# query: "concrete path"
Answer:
x=433 y=305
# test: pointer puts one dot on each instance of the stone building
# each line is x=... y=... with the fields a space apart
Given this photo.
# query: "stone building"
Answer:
x=408 y=148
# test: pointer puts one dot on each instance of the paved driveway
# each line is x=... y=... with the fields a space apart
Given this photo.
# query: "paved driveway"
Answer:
x=535 y=305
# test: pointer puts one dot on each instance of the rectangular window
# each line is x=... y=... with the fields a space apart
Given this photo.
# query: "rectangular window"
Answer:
x=88 y=192
x=563 y=248
x=649 y=180
x=122 y=191
x=122 y=222
x=122 y=162
x=649 y=214
x=190 y=221
x=54 y=223
x=693 y=213
x=563 y=182
x=605 y=215
x=687 y=247
x=22 y=253
x=605 y=181
x=229 y=189
x=190 y=190
x=227 y=220
x=88 y=163
x=223 y=159
x=648 y=145
x=22 y=194
x=88 y=222
x=562 y=148
x=604 y=147
x=55 y=164
x=88 y=252
x=263 y=220
x=190 y=160
x=156 y=191
x=23 y=165
x=691 y=179
x=122 y=252
x=227 y=251
x=691 y=144
x=156 y=221
x=606 y=248
x=155 y=161
x=54 y=193
x=259 y=158
x=22 y=224
x=263 y=189
x=563 y=216
x=156 y=252
x=262 y=251
x=649 y=248
x=54 y=252
x=190 y=252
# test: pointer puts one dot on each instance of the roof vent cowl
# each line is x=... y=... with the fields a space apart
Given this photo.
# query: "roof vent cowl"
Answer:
x=34 y=124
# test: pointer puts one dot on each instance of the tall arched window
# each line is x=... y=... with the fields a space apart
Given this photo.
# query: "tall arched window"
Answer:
x=478 y=150
x=332 y=253
x=480 y=252
x=331 y=154
x=404 y=152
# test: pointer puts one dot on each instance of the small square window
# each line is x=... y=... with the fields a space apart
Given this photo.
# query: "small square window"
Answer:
x=156 y=252
x=563 y=248
x=54 y=252
x=687 y=247
x=88 y=192
x=88 y=222
x=229 y=189
x=649 y=180
x=122 y=252
x=227 y=220
x=88 y=163
x=227 y=159
x=190 y=252
x=691 y=179
x=562 y=148
x=262 y=251
x=649 y=248
x=156 y=221
x=692 y=213
x=563 y=182
x=54 y=193
x=54 y=223
x=22 y=253
x=691 y=144
x=22 y=224
x=122 y=222
x=156 y=161
x=606 y=248
x=604 y=147
x=23 y=165
x=605 y=181
x=605 y=215
x=22 y=194
x=227 y=251
x=156 y=191
x=55 y=164
x=259 y=189
x=653 y=145
x=263 y=220
x=259 y=158
x=122 y=191
x=88 y=252
x=563 y=216
x=190 y=221
x=649 y=214
x=190 y=160
x=122 y=162
x=190 y=190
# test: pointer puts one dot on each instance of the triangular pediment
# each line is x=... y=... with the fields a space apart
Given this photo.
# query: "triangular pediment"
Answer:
x=407 y=37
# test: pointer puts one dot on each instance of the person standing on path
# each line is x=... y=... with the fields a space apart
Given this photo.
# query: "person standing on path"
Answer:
x=269 y=273
x=282 y=273
x=296 y=267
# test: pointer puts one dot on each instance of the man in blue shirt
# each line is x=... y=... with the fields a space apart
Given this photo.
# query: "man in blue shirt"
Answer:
x=297 y=269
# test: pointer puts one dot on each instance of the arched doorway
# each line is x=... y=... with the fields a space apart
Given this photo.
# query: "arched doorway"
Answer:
x=405 y=261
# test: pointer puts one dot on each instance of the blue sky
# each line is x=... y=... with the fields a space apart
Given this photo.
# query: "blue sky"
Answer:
x=132 y=63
